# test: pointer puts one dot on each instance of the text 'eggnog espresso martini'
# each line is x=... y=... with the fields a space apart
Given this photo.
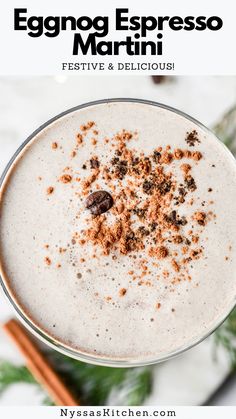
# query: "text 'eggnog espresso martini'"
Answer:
x=118 y=232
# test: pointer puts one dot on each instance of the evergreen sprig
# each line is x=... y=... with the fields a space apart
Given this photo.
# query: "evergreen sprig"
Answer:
x=91 y=384
x=13 y=374
x=225 y=336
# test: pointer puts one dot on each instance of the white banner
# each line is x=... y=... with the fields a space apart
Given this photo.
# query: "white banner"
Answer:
x=189 y=412
x=115 y=37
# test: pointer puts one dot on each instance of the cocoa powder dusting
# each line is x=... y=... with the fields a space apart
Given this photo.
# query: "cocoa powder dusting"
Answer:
x=192 y=138
x=200 y=217
x=139 y=212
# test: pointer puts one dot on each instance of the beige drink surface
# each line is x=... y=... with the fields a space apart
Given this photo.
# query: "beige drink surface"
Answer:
x=154 y=273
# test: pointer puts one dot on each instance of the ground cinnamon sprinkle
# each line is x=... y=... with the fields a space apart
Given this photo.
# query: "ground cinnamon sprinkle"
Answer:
x=145 y=217
x=187 y=154
x=120 y=207
x=79 y=138
x=177 y=239
x=47 y=260
x=200 y=217
x=195 y=254
x=195 y=239
x=66 y=178
x=185 y=168
x=196 y=155
x=165 y=273
x=175 y=265
x=185 y=250
x=124 y=136
x=50 y=190
x=62 y=250
x=122 y=292
x=86 y=127
x=159 y=252
x=54 y=146
x=88 y=182
x=166 y=157
x=178 y=154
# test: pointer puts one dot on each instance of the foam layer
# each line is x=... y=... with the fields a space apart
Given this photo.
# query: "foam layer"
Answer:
x=74 y=296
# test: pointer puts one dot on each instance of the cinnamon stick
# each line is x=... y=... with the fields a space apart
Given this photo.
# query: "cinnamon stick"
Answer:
x=38 y=365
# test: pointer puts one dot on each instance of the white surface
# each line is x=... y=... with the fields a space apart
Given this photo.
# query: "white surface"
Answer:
x=192 y=52
x=26 y=103
x=184 y=412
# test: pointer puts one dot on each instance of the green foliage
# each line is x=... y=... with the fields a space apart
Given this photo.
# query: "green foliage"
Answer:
x=12 y=374
x=139 y=386
x=225 y=336
x=91 y=384
x=225 y=129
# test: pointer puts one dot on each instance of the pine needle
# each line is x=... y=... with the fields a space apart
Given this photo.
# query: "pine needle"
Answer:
x=12 y=374
x=93 y=384
x=90 y=383
x=225 y=336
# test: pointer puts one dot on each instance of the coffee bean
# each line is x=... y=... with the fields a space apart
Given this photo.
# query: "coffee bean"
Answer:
x=99 y=202
x=158 y=79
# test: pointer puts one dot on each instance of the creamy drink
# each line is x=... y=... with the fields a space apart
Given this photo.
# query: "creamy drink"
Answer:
x=118 y=232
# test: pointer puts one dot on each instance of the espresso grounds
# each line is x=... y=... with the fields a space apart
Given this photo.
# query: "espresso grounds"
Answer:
x=142 y=194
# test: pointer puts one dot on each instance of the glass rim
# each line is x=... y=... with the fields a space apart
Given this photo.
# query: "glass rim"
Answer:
x=42 y=334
